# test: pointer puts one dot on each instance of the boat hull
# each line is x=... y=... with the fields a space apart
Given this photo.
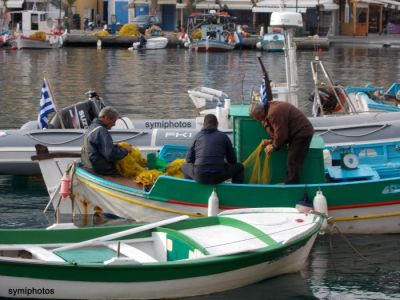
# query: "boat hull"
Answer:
x=29 y=43
x=17 y=146
x=360 y=207
x=211 y=46
x=202 y=278
x=152 y=44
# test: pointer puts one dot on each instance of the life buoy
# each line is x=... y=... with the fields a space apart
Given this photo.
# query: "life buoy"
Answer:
x=342 y=100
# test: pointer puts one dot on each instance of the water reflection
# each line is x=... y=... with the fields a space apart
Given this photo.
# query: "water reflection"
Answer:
x=154 y=83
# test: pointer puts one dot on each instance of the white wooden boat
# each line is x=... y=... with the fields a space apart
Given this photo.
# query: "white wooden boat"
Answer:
x=170 y=259
x=151 y=44
x=30 y=22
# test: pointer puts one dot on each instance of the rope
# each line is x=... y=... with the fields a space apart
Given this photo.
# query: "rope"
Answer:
x=332 y=223
x=334 y=227
x=353 y=135
x=79 y=137
x=49 y=143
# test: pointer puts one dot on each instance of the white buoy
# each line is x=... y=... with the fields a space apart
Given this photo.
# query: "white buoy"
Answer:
x=213 y=204
x=321 y=206
x=98 y=44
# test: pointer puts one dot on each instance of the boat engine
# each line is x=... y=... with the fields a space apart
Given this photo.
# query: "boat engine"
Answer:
x=328 y=99
x=79 y=115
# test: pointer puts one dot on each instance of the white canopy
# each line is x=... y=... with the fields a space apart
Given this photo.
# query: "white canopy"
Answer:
x=293 y=5
x=15 y=3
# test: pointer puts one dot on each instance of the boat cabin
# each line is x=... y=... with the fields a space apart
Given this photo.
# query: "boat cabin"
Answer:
x=248 y=133
x=31 y=21
x=212 y=24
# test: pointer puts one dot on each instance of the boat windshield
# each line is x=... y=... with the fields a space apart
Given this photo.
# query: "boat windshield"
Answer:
x=142 y=18
x=197 y=20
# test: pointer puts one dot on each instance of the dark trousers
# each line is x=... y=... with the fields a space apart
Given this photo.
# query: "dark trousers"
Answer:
x=234 y=171
x=297 y=153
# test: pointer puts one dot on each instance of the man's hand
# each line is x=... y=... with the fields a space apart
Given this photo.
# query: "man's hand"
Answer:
x=269 y=149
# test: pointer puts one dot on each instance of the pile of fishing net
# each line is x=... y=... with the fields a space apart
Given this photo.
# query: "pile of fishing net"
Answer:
x=129 y=30
x=148 y=177
x=258 y=166
x=134 y=166
x=102 y=33
x=196 y=35
x=40 y=35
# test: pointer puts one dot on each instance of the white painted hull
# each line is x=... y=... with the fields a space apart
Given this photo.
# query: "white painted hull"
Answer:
x=367 y=220
x=211 y=46
x=377 y=220
x=56 y=289
x=152 y=44
x=27 y=43
x=88 y=201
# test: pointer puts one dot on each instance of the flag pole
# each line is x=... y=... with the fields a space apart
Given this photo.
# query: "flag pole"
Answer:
x=54 y=102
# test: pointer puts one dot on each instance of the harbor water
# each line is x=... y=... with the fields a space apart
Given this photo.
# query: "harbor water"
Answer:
x=154 y=84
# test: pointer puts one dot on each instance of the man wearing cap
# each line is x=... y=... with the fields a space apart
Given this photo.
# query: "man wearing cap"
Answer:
x=286 y=125
x=99 y=153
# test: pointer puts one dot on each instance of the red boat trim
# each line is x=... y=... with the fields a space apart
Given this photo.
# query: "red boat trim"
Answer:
x=336 y=207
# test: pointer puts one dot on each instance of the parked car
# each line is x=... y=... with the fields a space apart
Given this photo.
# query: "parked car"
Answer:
x=145 y=21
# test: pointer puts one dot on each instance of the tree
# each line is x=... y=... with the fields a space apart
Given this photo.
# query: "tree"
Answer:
x=153 y=7
x=70 y=4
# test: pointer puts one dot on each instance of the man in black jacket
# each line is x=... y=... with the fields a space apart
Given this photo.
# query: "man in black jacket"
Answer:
x=99 y=153
x=211 y=158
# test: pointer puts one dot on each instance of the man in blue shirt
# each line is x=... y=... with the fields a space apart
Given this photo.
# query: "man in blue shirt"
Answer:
x=99 y=153
x=211 y=158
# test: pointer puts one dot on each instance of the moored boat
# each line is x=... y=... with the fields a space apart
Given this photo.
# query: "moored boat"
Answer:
x=150 y=44
x=272 y=42
x=361 y=197
x=169 y=259
x=211 y=32
x=36 y=31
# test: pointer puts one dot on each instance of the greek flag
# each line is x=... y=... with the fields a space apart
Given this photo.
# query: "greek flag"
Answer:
x=46 y=106
x=263 y=93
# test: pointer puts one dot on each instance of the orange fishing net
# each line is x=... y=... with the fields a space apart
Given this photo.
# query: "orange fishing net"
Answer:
x=258 y=166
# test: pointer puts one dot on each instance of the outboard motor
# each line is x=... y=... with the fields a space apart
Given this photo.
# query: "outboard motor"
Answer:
x=327 y=98
x=80 y=115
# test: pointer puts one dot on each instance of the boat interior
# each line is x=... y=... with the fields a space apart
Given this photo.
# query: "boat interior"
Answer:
x=177 y=241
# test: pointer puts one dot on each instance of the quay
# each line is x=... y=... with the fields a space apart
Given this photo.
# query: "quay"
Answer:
x=89 y=39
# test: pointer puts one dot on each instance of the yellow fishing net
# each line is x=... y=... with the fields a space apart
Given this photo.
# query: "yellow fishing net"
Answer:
x=132 y=164
x=129 y=30
x=196 y=34
x=260 y=170
x=174 y=168
x=148 y=177
x=40 y=35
